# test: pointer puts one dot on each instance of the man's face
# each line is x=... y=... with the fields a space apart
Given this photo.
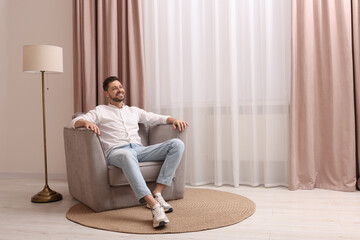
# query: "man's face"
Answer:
x=115 y=91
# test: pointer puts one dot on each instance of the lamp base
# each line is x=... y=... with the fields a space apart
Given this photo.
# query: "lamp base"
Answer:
x=46 y=195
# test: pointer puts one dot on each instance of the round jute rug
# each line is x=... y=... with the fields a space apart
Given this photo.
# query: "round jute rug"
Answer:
x=200 y=209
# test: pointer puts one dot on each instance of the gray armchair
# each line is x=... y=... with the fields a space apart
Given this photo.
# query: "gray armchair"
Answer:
x=103 y=187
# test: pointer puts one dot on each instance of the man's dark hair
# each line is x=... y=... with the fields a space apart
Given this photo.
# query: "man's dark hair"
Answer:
x=109 y=80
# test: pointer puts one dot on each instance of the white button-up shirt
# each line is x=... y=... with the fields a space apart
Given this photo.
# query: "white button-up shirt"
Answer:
x=119 y=126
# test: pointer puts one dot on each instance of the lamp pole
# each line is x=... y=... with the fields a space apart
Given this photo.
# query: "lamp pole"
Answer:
x=44 y=124
x=46 y=195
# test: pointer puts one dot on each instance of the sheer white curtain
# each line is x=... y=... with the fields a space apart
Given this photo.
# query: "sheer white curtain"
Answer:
x=223 y=66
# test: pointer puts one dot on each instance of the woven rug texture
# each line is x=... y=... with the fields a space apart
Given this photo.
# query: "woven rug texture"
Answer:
x=200 y=209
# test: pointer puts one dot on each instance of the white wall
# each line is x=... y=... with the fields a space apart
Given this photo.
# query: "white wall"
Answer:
x=24 y=22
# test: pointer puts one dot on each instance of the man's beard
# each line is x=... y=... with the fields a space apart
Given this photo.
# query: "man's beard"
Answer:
x=116 y=99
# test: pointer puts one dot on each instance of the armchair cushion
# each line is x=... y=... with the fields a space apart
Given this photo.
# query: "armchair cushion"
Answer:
x=149 y=170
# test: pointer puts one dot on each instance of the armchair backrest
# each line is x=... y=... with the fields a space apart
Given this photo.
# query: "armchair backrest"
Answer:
x=144 y=134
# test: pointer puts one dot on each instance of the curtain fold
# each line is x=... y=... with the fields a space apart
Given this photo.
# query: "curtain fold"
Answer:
x=107 y=41
x=356 y=67
x=223 y=66
x=85 y=96
x=323 y=151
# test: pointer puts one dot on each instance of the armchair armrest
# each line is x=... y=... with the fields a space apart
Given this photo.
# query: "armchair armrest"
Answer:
x=161 y=133
x=164 y=132
x=86 y=167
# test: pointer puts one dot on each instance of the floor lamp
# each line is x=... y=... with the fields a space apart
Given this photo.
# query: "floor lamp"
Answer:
x=41 y=59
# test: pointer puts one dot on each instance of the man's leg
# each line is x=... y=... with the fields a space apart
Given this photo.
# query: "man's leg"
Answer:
x=126 y=159
x=170 y=152
x=158 y=188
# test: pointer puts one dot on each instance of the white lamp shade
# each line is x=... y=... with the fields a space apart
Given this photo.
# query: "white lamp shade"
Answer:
x=37 y=58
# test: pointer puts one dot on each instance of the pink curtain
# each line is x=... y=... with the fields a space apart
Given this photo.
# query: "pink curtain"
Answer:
x=356 y=52
x=108 y=40
x=325 y=95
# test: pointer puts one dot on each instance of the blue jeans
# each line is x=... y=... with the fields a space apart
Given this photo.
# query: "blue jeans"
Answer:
x=129 y=156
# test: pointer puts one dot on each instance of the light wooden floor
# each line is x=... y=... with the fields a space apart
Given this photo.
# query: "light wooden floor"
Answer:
x=280 y=214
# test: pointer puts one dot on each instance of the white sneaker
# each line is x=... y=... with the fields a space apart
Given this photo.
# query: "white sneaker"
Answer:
x=159 y=217
x=167 y=207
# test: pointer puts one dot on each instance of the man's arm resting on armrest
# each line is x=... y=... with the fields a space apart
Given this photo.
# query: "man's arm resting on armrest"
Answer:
x=88 y=125
x=181 y=125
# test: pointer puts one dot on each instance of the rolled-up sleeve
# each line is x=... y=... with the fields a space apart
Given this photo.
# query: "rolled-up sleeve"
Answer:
x=151 y=118
x=92 y=116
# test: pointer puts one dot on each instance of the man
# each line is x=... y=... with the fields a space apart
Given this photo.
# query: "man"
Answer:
x=117 y=127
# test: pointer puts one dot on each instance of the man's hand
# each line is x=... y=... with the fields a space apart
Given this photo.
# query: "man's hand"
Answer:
x=92 y=127
x=181 y=125
x=88 y=125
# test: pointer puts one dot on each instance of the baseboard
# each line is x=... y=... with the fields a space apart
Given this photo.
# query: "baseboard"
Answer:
x=32 y=175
